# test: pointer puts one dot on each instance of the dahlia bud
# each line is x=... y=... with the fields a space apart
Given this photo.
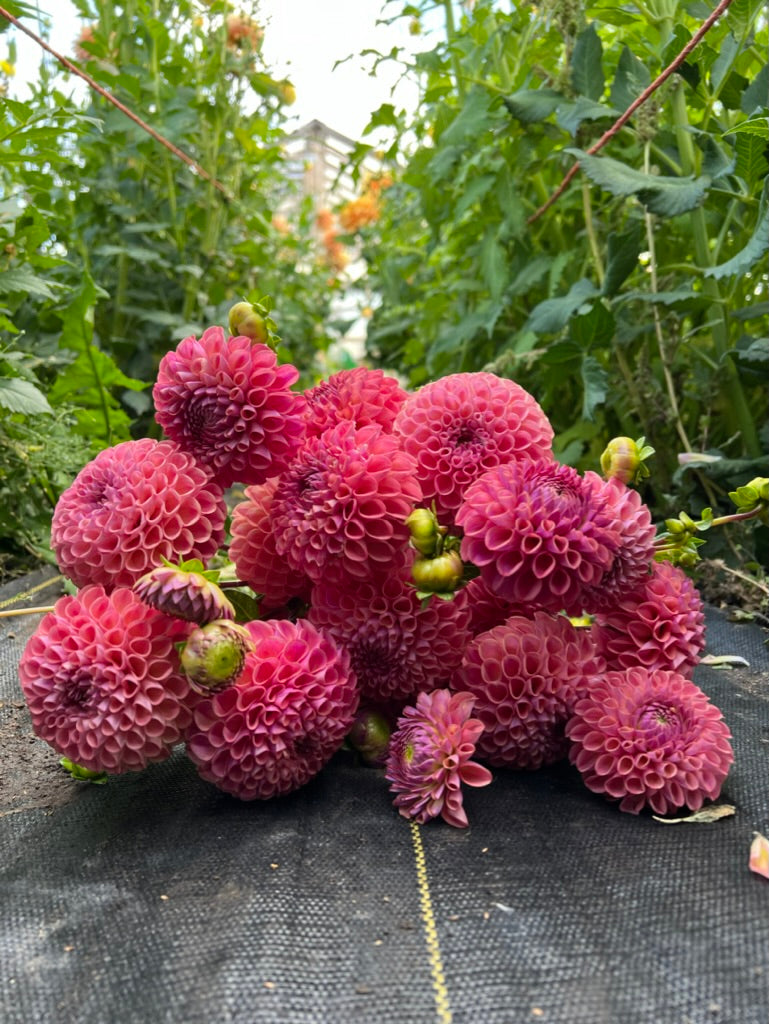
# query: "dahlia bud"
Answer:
x=184 y=592
x=370 y=737
x=440 y=575
x=752 y=495
x=623 y=459
x=425 y=532
x=246 y=322
x=214 y=655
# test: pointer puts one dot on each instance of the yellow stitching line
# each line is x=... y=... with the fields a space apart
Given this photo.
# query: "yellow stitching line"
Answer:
x=30 y=592
x=442 y=1006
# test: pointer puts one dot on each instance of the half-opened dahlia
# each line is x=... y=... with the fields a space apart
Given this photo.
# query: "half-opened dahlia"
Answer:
x=360 y=396
x=229 y=403
x=464 y=424
x=538 y=535
x=650 y=738
x=430 y=756
x=184 y=593
x=132 y=506
x=282 y=720
x=101 y=677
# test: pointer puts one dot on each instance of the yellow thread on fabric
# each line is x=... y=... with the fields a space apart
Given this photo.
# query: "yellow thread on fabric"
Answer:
x=442 y=1006
x=30 y=592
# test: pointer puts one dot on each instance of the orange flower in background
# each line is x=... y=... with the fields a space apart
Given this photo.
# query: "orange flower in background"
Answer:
x=359 y=212
x=243 y=32
x=324 y=219
x=280 y=224
x=86 y=36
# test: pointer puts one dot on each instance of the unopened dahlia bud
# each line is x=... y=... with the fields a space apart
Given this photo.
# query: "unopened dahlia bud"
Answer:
x=215 y=654
x=184 y=593
x=370 y=737
x=752 y=495
x=440 y=575
x=246 y=322
x=624 y=458
x=425 y=532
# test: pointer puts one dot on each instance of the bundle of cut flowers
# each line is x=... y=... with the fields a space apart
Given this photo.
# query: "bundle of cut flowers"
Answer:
x=410 y=575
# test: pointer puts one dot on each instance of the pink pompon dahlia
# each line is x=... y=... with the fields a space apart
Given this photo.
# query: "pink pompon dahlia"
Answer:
x=102 y=680
x=538 y=535
x=184 y=593
x=462 y=425
x=650 y=738
x=361 y=396
x=229 y=403
x=661 y=624
x=282 y=720
x=485 y=608
x=255 y=555
x=340 y=509
x=132 y=506
x=398 y=646
x=526 y=676
x=430 y=756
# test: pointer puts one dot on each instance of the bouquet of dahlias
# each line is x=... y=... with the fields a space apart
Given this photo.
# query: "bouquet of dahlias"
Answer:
x=410 y=575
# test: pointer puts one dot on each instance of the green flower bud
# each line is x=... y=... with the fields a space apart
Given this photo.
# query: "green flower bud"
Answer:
x=623 y=459
x=370 y=736
x=440 y=575
x=246 y=322
x=425 y=532
x=214 y=655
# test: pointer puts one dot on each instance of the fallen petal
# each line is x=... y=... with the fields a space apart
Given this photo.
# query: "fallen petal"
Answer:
x=759 y=855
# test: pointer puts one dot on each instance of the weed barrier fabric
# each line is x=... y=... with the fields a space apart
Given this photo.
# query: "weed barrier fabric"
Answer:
x=156 y=899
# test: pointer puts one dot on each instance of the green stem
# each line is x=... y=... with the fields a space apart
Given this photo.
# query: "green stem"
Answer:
x=451 y=32
x=590 y=229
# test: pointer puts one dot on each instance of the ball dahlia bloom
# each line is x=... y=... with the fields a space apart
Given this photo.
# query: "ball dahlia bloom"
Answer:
x=282 y=720
x=229 y=403
x=398 y=646
x=526 y=676
x=462 y=425
x=650 y=738
x=101 y=677
x=661 y=624
x=340 y=509
x=430 y=756
x=134 y=505
x=360 y=396
x=485 y=608
x=538 y=535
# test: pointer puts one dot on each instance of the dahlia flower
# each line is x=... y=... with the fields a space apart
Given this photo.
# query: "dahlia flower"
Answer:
x=486 y=609
x=361 y=396
x=132 y=506
x=661 y=624
x=526 y=676
x=228 y=403
x=398 y=646
x=462 y=425
x=341 y=507
x=430 y=757
x=101 y=677
x=538 y=535
x=650 y=738
x=184 y=593
x=284 y=717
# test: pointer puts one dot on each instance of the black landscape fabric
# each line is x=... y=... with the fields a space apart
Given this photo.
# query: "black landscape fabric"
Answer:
x=156 y=899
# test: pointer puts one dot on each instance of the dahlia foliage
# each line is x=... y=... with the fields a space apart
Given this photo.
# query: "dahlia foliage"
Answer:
x=412 y=576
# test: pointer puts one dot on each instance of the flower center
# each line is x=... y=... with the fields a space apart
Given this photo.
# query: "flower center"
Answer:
x=660 y=719
x=76 y=692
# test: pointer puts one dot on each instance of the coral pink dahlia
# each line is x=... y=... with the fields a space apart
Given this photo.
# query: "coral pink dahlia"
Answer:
x=661 y=624
x=282 y=720
x=526 y=676
x=430 y=756
x=650 y=738
x=184 y=593
x=229 y=403
x=132 y=506
x=462 y=425
x=341 y=507
x=101 y=677
x=538 y=535
x=361 y=396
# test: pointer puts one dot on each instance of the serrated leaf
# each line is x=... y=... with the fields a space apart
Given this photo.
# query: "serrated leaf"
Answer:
x=727 y=51
x=246 y=605
x=22 y=280
x=587 y=75
x=18 y=395
x=593 y=328
x=473 y=192
x=531 y=274
x=471 y=119
x=571 y=115
x=753 y=126
x=748 y=256
x=622 y=257
x=755 y=96
x=552 y=315
x=595 y=382
x=532 y=105
x=493 y=264
x=630 y=80
x=752 y=163
x=660 y=194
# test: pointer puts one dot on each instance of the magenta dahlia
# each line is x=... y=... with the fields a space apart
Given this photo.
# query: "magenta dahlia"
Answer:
x=661 y=624
x=284 y=717
x=254 y=554
x=526 y=676
x=538 y=535
x=462 y=425
x=650 y=738
x=430 y=756
x=132 y=506
x=341 y=507
x=486 y=609
x=360 y=396
x=229 y=403
x=101 y=677
x=184 y=593
x=398 y=645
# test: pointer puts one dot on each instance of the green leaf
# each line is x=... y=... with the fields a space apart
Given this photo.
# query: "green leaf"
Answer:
x=727 y=51
x=622 y=257
x=752 y=126
x=532 y=105
x=587 y=76
x=752 y=163
x=595 y=381
x=531 y=274
x=552 y=315
x=18 y=395
x=246 y=605
x=689 y=70
x=750 y=254
x=493 y=263
x=629 y=82
x=471 y=119
x=23 y=280
x=571 y=115
x=755 y=96
x=663 y=195
x=593 y=328
x=473 y=192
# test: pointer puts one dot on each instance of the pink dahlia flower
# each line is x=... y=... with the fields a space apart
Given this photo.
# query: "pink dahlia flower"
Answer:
x=430 y=757
x=255 y=555
x=660 y=625
x=650 y=738
x=132 y=506
x=282 y=720
x=398 y=646
x=462 y=425
x=485 y=608
x=185 y=594
x=361 y=396
x=537 y=534
x=526 y=676
x=101 y=677
x=341 y=507
x=228 y=403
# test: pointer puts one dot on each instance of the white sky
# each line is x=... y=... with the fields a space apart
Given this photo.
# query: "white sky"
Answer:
x=303 y=40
